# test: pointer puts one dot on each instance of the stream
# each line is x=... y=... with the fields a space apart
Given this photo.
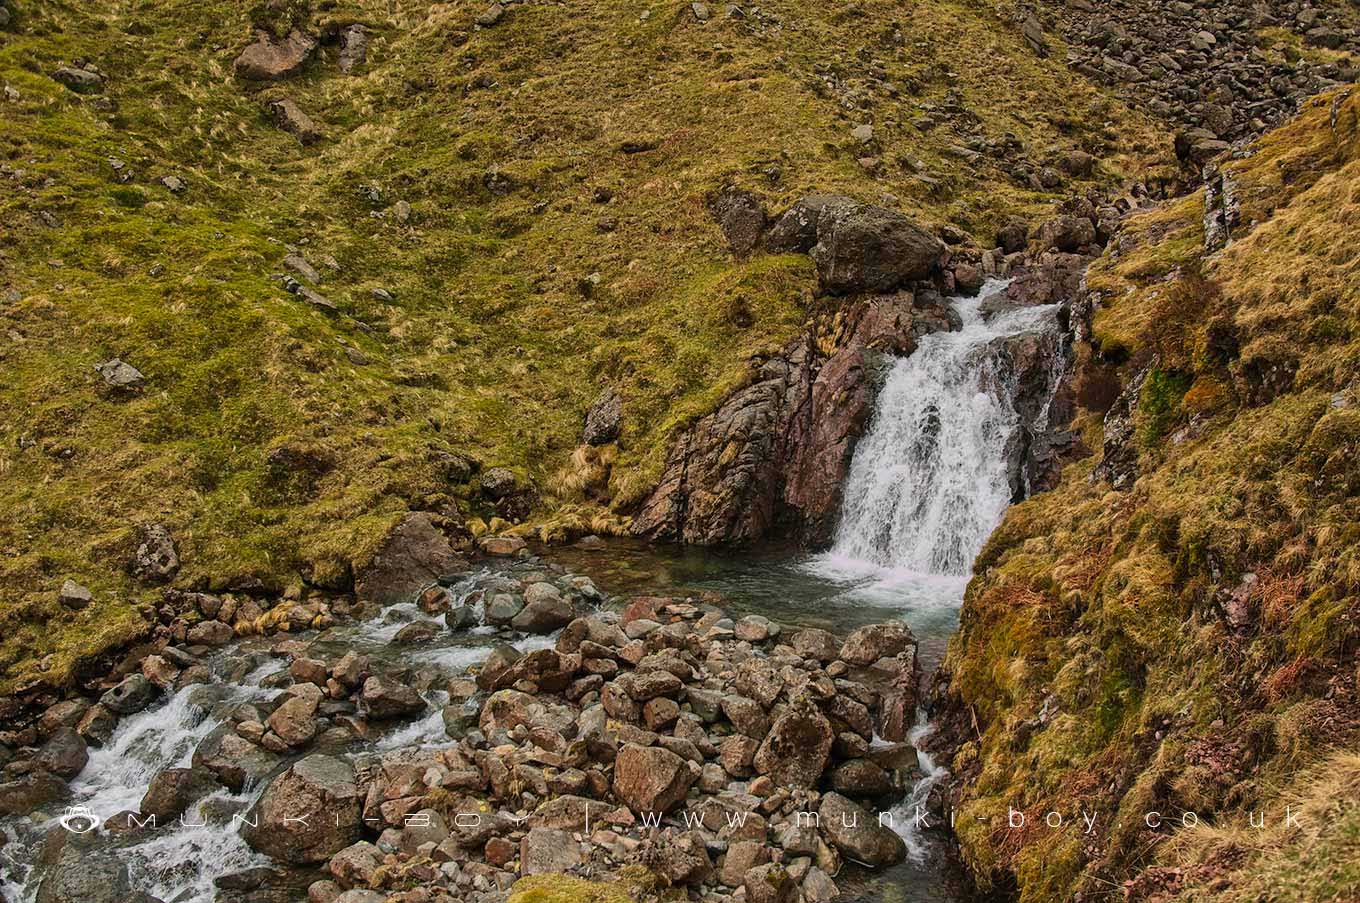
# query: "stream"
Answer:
x=927 y=485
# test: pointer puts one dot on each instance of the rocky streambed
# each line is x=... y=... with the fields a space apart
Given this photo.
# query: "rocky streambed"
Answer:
x=509 y=723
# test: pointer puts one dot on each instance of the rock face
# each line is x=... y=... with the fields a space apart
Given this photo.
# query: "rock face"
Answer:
x=864 y=248
x=271 y=59
x=414 y=555
x=308 y=813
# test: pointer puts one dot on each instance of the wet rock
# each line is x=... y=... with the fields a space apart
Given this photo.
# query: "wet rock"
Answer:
x=352 y=669
x=66 y=713
x=857 y=833
x=501 y=657
x=173 y=790
x=412 y=556
x=865 y=248
x=860 y=778
x=81 y=875
x=545 y=610
x=604 y=419
x=383 y=698
x=416 y=632
x=97 y=725
x=271 y=59
x=650 y=779
x=293 y=721
x=740 y=215
x=74 y=596
x=797 y=748
x=30 y=792
x=130 y=696
x=233 y=760
x=64 y=754
x=155 y=559
x=308 y=813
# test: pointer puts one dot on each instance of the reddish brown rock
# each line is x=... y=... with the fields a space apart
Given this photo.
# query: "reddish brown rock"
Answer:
x=650 y=779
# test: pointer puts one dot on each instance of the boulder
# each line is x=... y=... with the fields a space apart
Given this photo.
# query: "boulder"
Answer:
x=64 y=754
x=868 y=644
x=74 y=596
x=866 y=248
x=861 y=778
x=356 y=864
x=271 y=59
x=412 y=556
x=83 y=875
x=81 y=81
x=132 y=694
x=287 y=115
x=307 y=814
x=604 y=419
x=770 y=883
x=293 y=722
x=742 y=856
x=548 y=851
x=857 y=833
x=383 y=698
x=233 y=760
x=740 y=215
x=815 y=644
x=544 y=611
x=1067 y=233
x=650 y=779
x=353 y=47
x=155 y=559
x=173 y=790
x=795 y=230
x=30 y=792
x=210 y=633
x=798 y=747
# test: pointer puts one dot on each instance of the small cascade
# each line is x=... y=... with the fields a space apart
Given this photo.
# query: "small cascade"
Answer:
x=930 y=480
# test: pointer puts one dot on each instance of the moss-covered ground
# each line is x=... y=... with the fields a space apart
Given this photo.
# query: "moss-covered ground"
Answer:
x=1189 y=645
x=545 y=256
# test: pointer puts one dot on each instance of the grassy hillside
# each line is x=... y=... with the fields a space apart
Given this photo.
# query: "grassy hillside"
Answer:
x=555 y=167
x=1189 y=644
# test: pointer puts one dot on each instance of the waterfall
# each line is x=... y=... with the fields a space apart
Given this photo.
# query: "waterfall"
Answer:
x=929 y=480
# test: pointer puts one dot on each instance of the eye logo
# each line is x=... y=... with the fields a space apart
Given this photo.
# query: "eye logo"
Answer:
x=79 y=820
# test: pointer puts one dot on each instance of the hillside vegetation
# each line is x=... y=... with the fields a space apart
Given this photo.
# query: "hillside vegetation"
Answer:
x=1188 y=644
x=502 y=220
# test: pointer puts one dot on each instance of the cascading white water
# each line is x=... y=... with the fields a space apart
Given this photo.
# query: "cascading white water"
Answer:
x=929 y=481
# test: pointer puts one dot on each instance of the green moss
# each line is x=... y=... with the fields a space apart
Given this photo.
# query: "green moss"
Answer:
x=1159 y=404
x=565 y=889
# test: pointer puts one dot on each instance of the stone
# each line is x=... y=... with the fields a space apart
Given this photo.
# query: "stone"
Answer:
x=233 y=760
x=544 y=611
x=795 y=230
x=1067 y=233
x=356 y=864
x=797 y=749
x=755 y=629
x=66 y=713
x=650 y=779
x=746 y=716
x=30 y=792
x=548 y=851
x=498 y=661
x=307 y=814
x=173 y=790
x=83 y=875
x=604 y=419
x=769 y=883
x=490 y=16
x=861 y=778
x=353 y=47
x=414 y=554
x=120 y=376
x=818 y=887
x=383 y=698
x=416 y=632
x=155 y=558
x=857 y=834
x=74 y=596
x=81 y=81
x=736 y=755
x=740 y=215
x=210 y=633
x=64 y=754
x=271 y=59
x=679 y=859
x=132 y=694
x=868 y=644
x=97 y=725
x=865 y=248
x=815 y=644
x=287 y=115
x=742 y=856
x=293 y=722
x=352 y=669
